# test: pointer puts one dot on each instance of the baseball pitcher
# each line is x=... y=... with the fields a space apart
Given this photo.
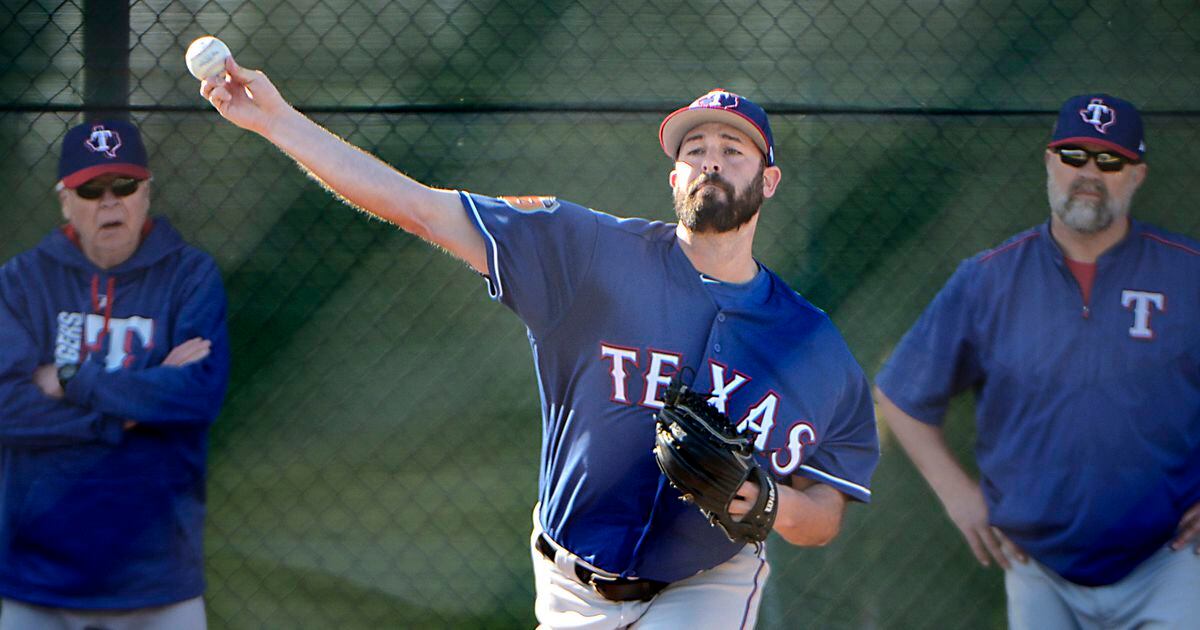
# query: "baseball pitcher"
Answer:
x=671 y=365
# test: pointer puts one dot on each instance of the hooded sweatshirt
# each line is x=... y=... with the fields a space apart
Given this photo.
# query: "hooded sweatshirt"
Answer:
x=94 y=515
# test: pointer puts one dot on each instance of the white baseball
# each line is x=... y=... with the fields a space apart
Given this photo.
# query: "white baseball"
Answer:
x=206 y=57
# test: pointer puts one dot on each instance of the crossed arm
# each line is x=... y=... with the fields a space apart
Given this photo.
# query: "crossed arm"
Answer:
x=190 y=351
x=34 y=413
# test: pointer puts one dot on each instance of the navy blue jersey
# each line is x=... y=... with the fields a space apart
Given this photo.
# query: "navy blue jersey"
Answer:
x=614 y=310
x=1088 y=414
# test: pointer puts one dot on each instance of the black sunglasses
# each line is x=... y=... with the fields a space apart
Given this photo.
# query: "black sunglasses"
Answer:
x=120 y=187
x=1106 y=161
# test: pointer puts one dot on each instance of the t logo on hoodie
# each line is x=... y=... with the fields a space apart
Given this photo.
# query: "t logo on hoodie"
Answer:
x=81 y=334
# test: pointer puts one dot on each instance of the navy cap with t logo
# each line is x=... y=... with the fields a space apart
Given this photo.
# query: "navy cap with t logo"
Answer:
x=1108 y=121
x=100 y=148
x=718 y=106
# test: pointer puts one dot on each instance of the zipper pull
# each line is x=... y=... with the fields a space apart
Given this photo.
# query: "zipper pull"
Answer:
x=1087 y=311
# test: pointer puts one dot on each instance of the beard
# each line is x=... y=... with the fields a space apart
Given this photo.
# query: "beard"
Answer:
x=711 y=205
x=1087 y=215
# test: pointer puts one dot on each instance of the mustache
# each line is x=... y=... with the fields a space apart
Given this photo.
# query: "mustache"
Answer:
x=1088 y=186
x=711 y=178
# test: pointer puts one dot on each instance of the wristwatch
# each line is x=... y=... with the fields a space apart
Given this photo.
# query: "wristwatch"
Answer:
x=66 y=373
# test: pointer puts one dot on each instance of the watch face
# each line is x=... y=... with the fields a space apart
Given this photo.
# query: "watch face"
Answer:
x=67 y=372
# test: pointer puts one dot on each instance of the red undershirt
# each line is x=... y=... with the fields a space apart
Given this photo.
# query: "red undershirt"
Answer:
x=1085 y=274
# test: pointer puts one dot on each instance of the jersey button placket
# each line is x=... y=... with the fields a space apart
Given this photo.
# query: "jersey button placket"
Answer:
x=717 y=345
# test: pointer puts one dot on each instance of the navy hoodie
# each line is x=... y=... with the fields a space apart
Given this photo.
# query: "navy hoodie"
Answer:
x=92 y=515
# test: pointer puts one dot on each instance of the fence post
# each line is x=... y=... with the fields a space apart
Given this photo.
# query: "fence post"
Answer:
x=106 y=59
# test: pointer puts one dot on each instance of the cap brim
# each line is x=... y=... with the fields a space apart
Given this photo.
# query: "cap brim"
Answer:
x=681 y=121
x=1112 y=146
x=78 y=178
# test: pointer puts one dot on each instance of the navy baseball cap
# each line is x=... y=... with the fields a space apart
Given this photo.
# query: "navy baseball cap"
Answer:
x=718 y=106
x=1101 y=119
x=99 y=148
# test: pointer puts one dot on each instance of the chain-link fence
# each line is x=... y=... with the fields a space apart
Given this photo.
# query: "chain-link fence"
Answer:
x=375 y=464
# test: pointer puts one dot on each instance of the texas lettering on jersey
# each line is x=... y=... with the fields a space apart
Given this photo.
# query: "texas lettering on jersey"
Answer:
x=661 y=366
x=80 y=334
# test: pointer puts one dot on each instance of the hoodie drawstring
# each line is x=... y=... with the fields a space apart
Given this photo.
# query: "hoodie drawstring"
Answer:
x=109 y=297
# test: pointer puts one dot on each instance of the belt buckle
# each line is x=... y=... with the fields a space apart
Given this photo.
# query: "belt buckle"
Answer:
x=595 y=579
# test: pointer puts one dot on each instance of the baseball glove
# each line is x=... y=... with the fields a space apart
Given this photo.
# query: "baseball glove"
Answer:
x=701 y=453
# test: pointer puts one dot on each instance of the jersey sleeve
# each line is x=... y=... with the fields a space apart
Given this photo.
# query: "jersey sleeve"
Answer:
x=539 y=250
x=849 y=452
x=938 y=357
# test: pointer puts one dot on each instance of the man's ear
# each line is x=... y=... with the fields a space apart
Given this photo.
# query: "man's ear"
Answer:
x=1140 y=172
x=771 y=177
x=62 y=203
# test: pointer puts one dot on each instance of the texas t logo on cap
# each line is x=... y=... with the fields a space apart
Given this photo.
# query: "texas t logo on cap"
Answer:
x=717 y=98
x=1103 y=120
x=1098 y=115
x=104 y=141
x=91 y=150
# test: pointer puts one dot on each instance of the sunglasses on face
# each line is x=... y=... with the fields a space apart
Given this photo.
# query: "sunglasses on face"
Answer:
x=120 y=187
x=1105 y=161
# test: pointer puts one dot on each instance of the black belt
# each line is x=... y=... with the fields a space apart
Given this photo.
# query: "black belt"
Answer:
x=614 y=589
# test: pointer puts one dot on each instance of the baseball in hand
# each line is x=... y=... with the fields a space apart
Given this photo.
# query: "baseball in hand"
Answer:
x=206 y=57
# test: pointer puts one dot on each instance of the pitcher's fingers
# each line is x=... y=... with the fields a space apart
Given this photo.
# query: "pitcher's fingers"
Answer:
x=241 y=75
x=219 y=96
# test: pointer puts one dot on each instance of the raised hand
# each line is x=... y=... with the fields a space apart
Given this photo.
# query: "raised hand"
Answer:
x=247 y=98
